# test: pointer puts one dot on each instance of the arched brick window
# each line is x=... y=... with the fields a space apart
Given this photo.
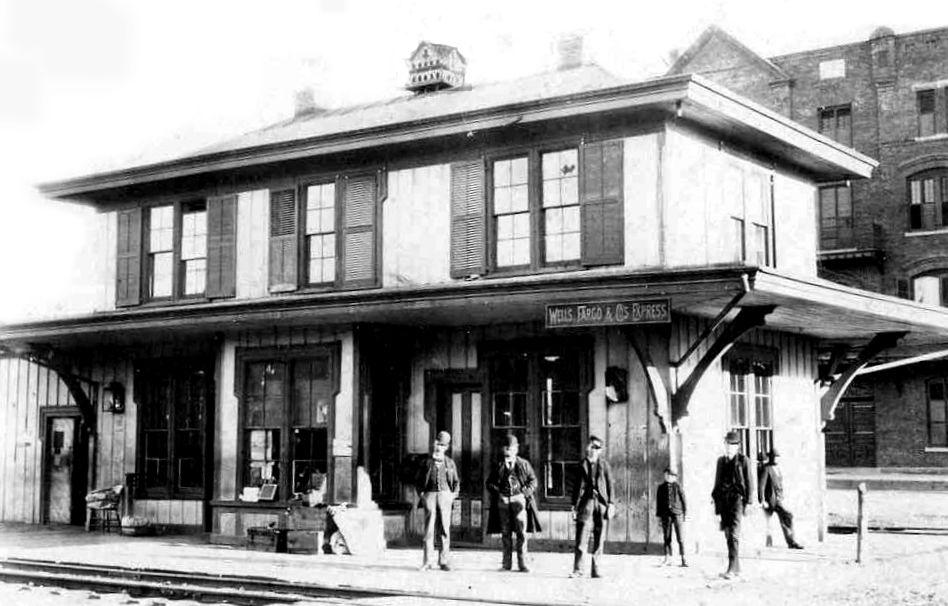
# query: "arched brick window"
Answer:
x=927 y=193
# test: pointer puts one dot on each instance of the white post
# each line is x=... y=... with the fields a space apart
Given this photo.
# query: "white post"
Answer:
x=862 y=522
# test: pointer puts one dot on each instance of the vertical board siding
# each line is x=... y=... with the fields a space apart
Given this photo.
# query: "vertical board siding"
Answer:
x=641 y=200
x=107 y=234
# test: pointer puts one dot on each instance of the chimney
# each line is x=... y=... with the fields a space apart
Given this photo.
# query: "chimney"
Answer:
x=570 y=50
x=305 y=103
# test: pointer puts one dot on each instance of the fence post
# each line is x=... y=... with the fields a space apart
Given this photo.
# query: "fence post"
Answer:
x=862 y=522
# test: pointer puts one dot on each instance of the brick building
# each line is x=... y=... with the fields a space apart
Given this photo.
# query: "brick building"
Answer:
x=887 y=97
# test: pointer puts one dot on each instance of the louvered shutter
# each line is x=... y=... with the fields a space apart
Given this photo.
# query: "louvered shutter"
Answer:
x=601 y=203
x=360 y=204
x=222 y=246
x=283 y=239
x=128 y=260
x=468 y=249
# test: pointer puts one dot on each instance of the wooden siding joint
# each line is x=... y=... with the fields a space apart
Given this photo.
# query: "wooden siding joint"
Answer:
x=747 y=319
x=830 y=399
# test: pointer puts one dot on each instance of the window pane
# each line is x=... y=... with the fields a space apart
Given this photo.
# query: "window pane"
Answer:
x=518 y=198
x=309 y=456
x=194 y=235
x=161 y=274
x=195 y=276
x=936 y=390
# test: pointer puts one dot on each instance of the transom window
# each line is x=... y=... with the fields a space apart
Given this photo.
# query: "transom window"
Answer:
x=937 y=412
x=512 y=212
x=561 y=205
x=286 y=406
x=160 y=251
x=194 y=248
x=539 y=395
x=928 y=199
x=750 y=402
x=321 y=233
x=836 y=217
x=837 y=124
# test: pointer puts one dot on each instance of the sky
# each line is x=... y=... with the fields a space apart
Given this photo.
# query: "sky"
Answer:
x=93 y=85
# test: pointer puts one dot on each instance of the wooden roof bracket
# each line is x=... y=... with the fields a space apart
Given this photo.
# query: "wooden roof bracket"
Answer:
x=658 y=379
x=748 y=318
x=830 y=398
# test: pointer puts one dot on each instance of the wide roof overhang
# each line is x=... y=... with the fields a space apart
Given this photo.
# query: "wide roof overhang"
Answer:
x=688 y=98
x=825 y=311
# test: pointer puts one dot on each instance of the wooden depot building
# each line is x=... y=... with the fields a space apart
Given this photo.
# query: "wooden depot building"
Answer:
x=300 y=309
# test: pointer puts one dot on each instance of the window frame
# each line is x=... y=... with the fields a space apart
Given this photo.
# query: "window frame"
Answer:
x=302 y=200
x=833 y=112
x=928 y=412
x=177 y=369
x=753 y=359
x=534 y=155
x=245 y=356
x=841 y=242
x=938 y=212
x=178 y=268
x=534 y=429
x=919 y=95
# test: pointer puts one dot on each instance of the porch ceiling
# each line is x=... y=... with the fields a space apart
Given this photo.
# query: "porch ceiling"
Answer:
x=808 y=306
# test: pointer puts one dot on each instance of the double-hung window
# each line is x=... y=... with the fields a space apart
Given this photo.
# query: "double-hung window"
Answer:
x=937 y=412
x=321 y=233
x=561 y=230
x=512 y=212
x=194 y=248
x=160 y=252
x=837 y=123
x=926 y=112
x=750 y=400
x=836 y=217
x=928 y=199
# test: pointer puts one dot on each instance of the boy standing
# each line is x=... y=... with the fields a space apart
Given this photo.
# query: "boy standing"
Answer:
x=670 y=508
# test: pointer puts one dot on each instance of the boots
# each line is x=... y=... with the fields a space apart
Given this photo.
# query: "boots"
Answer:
x=577 y=566
x=667 y=559
x=522 y=562
x=684 y=562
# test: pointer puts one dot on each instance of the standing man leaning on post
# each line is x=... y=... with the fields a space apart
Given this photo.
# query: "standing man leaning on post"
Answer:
x=731 y=494
x=513 y=510
x=437 y=484
x=770 y=495
x=592 y=506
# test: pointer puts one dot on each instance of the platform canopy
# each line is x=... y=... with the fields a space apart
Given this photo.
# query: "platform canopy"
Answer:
x=828 y=312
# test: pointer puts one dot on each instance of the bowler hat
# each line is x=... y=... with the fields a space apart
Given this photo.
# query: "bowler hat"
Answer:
x=732 y=437
x=511 y=440
x=443 y=438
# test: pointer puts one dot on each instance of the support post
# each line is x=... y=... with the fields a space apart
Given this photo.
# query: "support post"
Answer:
x=862 y=521
x=878 y=344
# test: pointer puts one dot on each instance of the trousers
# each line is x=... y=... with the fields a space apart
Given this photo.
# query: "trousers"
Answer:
x=513 y=525
x=586 y=527
x=438 y=521
x=731 y=516
x=786 y=522
x=671 y=523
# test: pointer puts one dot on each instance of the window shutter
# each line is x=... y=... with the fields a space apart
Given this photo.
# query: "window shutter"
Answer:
x=128 y=260
x=468 y=255
x=601 y=202
x=360 y=204
x=283 y=238
x=222 y=246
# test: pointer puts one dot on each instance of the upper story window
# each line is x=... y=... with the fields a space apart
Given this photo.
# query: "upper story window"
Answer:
x=194 y=248
x=561 y=207
x=836 y=217
x=321 y=233
x=926 y=112
x=835 y=68
x=837 y=124
x=747 y=196
x=160 y=252
x=928 y=199
x=172 y=251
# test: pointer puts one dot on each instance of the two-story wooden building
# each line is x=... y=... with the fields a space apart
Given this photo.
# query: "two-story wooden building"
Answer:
x=558 y=256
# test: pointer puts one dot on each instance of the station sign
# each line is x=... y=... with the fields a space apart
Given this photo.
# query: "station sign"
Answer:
x=609 y=313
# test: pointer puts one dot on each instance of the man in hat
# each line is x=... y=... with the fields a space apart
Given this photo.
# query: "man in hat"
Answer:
x=437 y=484
x=770 y=495
x=513 y=511
x=670 y=507
x=731 y=494
x=592 y=504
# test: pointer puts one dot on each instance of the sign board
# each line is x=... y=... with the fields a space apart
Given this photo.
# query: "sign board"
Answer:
x=609 y=313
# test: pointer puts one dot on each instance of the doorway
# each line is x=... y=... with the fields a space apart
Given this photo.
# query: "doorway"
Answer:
x=850 y=437
x=457 y=397
x=65 y=466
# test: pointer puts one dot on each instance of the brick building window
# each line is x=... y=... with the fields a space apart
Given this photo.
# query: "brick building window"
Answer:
x=937 y=412
x=928 y=199
x=750 y=400
x=926 y=112
x=931 y=289
x=837 y=123
x=836 y=217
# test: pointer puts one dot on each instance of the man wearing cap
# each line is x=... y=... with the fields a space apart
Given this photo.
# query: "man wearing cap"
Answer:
x=513 y=511
x=437 y=484
x=731 y=494
x=770 y=495
x=592 y=504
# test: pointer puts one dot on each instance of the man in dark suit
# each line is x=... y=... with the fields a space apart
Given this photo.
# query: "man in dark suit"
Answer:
x=437 y=483
x=770 y=495
x=513 y=512
x=592 y=501
x=731 y=494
